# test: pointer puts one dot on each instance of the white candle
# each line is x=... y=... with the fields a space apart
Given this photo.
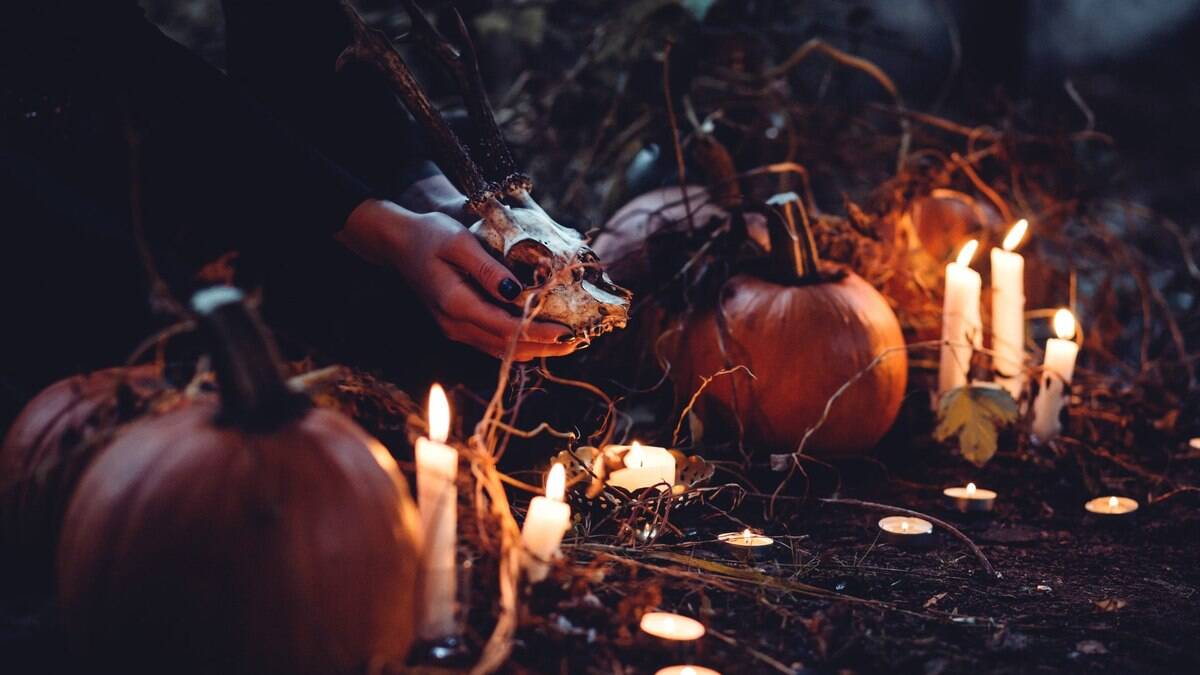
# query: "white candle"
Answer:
x=906 y=531
x=670 y=626
x=1111 y=506
x=645 y=465
x=1008 y=311
x=970 y=499
x=437 y=501
x=962 y=327
x=545 y=523
x=1057 y=370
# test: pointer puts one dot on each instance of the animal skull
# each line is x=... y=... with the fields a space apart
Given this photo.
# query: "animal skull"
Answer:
x=554 y=263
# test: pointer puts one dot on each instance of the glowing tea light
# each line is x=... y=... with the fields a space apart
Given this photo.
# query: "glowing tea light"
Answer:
x=1111 y=506
x=437 y=502
x=745 y=543
x=1008 y=311
x=906 y=531
x=645 y=466
x=670 y=626
x=1057 y=370
x=962 y=327
x=970 y=499
x=547 y=521
x=686 y=670
x=1194 y=443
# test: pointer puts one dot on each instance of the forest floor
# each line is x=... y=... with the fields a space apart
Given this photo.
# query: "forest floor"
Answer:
x=1076 y=593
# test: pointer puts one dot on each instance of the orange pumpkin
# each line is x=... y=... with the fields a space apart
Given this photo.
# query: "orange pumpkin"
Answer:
x=803 y=330
x=251 y=535
x=46 y=450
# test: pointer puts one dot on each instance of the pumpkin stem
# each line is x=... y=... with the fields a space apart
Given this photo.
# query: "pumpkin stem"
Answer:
x=254 y=393
x=793 y=249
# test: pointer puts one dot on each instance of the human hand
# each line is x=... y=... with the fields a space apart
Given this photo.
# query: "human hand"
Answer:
x=454 y=277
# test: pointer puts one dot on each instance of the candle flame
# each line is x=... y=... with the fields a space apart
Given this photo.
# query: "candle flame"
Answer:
x=1064 y=324
x=636 y=457
x=1015 y=235
x=967 y=252
x=439 y=414
x=746 y=536
x=970 y=489
x=556 y=482
x=904 y=525
x=1112 y=503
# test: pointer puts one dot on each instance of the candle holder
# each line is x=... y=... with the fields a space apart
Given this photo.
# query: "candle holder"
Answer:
x=906 y=531
x=969 y=500
x=746 y=546
x=592 y=497
x=1112 y=511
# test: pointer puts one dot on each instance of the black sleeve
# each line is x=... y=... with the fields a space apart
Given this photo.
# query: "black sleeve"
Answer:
x=206 y=141
x=285 y=51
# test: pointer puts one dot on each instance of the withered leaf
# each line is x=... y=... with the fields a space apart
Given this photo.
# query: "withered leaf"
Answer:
x=974 y=414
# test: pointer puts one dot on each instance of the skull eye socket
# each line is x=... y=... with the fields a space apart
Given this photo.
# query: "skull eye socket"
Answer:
x=526 y=273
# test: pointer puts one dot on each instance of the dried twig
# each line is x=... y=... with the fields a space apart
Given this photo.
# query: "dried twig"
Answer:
x=983 y=561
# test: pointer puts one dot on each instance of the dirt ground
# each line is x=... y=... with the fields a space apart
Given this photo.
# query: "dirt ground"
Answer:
x=1076 y=594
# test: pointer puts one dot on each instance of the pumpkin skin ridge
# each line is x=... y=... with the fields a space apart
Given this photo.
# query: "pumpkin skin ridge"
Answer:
x=216 y=510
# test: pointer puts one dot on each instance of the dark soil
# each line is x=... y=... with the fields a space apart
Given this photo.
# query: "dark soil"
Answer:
x=1076 y=594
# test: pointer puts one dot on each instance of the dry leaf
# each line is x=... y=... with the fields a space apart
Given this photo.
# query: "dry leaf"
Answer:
x=975 y=414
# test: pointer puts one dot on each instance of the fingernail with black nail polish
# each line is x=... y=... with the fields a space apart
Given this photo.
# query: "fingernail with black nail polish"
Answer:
x=566 y=337
x=509 y=289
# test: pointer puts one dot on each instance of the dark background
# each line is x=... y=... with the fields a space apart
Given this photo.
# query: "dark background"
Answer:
x=1132 y=62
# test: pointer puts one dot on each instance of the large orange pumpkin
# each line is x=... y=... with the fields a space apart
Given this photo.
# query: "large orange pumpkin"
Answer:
x=804 y=331
x=253 y=535
x=46 y=450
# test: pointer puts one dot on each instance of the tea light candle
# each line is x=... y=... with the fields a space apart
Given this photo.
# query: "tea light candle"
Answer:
x=1057 y=370
x=670 y=626
x=645 y=465
x=906 y=531
x=745 y=543
x=962 y=327
x=1111 y=506
x=437 y=502
x=686 y=670
x=1008 y=311
x=545 y=523
x=970 y=499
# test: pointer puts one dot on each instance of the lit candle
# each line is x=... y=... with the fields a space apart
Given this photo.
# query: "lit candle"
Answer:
x=962 y=327
x=1008 y=311
x=1057 y=370
x=970 y=499
x=437 y=501
x=745 y=544
x=545 y=523
x=645 y=466
x=1111 y=506
x=686 y=670
x=906 y=531
x=670 y=626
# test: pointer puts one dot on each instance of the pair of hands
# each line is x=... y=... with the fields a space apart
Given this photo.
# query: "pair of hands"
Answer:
x=464 y=287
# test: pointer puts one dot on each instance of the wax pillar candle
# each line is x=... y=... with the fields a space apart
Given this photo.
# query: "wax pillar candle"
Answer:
x=961 y=324
x=437 y=501
x=545 y=523
x=645 y=465
x=1008 y=311
x=1057 y=370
